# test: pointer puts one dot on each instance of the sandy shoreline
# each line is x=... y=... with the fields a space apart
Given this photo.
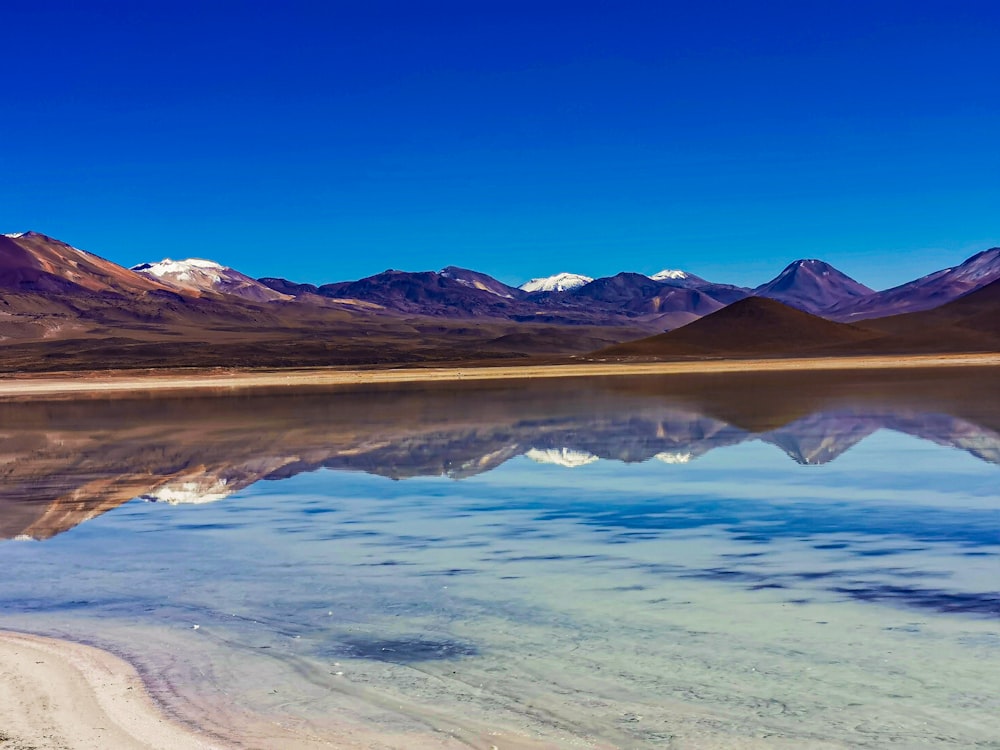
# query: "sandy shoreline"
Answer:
x=62 y=695
x=94 y=383
x=59 y=694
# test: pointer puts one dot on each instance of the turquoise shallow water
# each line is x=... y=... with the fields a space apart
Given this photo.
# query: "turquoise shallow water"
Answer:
x=720 y=562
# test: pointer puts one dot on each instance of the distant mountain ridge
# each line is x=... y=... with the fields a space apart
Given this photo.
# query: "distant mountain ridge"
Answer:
x=810 y=285
x=927 y=292
x=52 y=292
x=48 y=265
x=425 y=292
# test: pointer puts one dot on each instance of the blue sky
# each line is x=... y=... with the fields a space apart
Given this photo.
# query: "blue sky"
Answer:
x=324 y=141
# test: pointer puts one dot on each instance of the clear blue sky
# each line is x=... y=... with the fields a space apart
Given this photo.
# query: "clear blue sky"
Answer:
x=324 y=141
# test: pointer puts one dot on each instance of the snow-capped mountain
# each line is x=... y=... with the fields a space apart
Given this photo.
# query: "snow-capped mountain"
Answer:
x=560 y=282
x=813 y=286
x=668 y=274
x=196 y=276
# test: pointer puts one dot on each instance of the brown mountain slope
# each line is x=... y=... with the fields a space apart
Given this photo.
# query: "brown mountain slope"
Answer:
x=753 y=326
x=974 y=311
x=978 y=311
x=32 y=262
x=969 y=323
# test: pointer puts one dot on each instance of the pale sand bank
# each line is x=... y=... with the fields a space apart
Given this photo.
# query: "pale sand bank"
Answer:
x=68 y=384
x=57 y=694
x=61 y=695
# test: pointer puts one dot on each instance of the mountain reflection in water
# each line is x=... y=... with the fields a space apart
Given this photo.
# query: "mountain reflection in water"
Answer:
x=63 y=463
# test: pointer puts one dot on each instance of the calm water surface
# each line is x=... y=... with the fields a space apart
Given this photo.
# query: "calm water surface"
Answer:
x=766 y=561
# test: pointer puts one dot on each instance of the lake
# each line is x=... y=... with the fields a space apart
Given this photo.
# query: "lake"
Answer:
x=751 y=561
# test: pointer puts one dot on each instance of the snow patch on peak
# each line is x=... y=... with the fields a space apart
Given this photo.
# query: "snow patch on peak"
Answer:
x=560 y=282
x=667 y=274
x=182 y=270
x=201 y=263
x=15 y=235
x=167 y=265
x=673 y=457
x=567 y=457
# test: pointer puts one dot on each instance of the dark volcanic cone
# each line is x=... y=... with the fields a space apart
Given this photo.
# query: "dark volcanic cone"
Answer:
x=753 y=326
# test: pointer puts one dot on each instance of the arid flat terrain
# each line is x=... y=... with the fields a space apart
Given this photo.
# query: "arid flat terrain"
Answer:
x=94 y=383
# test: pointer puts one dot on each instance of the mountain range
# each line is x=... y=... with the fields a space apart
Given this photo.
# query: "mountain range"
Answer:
x=61 y=307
